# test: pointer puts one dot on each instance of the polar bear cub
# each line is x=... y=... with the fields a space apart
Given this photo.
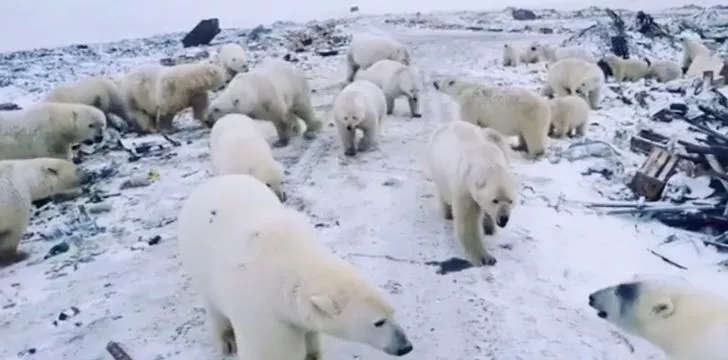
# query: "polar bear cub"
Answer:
x=269 y=286
x=686 y=322
x=48 y=129
x=623 y=69
x=509 y=110
x=511 y=55
x=276 y=92
x=21 y=183
x=474 y=185
x=98 y=91
x=395 y=79
x=568 y=113
x=232 y=58
x=692 y=49
x=367 y=49
x=360 y=105
x=575 y=77
x=238 y=147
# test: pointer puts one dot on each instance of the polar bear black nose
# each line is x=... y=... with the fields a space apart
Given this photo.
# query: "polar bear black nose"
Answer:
x=502 y=220
x=435 y=85
x=348 y=127
x=591 y=299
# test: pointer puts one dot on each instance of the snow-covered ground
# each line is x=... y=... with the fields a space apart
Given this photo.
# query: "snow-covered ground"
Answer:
x=376 y=210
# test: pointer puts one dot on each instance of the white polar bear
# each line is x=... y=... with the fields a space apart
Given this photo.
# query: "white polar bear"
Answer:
x=365 y=50
x=703 y=63
x=156 y=93
x=509 y=110
x=623 y=69
x=238 y=147
x=537 y=52
x=360 y=105
x=98 y=91
x=395 y=79
x=568 y=113
x=21 y=183
x=511 y=55
x=48 y=129
x=276 y=92
x=664 y=70
x=269 y=286
x=474 y=185
x=232 y=58
x=575 y=77
x=692 y=48
x=686 y=322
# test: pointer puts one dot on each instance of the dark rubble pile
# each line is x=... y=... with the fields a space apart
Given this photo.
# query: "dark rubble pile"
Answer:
x=324 y=38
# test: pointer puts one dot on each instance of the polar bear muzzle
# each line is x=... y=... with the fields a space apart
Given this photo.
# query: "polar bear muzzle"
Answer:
x=615 y=301
x=400 y=344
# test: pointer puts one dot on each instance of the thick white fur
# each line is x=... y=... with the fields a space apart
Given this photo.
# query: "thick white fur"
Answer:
x=360 y=105
x=702 y=63
x=693 y=48
x=233 y=58
x=139 y=89
x=626 y=69
x=48 y=129
x=511 y=55
x=664 y=70
x=568 y=113
x=509 y=110
x=98 y=91
x=575 y=77
x=24 y=181
x=686 y=322
x=276 y=92
x=268 y=284
x=395 y=79
x=543 y=52
x=474 y=185
x=238 y=147
x=367 y=49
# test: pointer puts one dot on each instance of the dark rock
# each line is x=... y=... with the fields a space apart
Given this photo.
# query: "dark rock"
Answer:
x=57 y=249
x=255 y=34
x=327 y=52
x=619 y=46
x=544 y=30
x=523 y=14
x=10 y=106
x=354 y=9
x=290 y=58
x=202 y=34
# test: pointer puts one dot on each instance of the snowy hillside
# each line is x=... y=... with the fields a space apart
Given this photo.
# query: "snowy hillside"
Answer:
x=120 y=279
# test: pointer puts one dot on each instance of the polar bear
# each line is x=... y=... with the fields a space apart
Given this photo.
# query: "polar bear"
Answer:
x=156 y=93
x=511 y=55
x=575 y=77
x=509 y=110
x=275 y=91
x=663 y=70
x=360 y=105
x=623 y=69
x=367 y=49
x=703 y=63
x=21 y=183
x=537 y=52
x=686 y=322
x=98 y=91
x=568 y=113
x=269 y=286
x=692 y=48
x=238 y=147
x=48 y=129
x=232 y=58
x=395 y=79
x=474 y=185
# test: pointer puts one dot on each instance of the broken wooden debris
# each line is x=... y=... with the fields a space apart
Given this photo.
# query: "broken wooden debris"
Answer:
x=650 y=179
x=647 y=26
x=202 y=33
x=116 y=351
x=618 y=42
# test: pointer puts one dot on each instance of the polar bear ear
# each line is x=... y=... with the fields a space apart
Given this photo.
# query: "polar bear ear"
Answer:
x=663 y=308
x=236 y=102
x=325 y=305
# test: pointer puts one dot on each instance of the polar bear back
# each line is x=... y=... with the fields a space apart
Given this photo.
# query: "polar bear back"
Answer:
x=507 y=110
x=575 y=74
x=361 y=92
x=238 y=146
x=139 y=87
x=367 y=49
x=85 y=91
x=387 y=75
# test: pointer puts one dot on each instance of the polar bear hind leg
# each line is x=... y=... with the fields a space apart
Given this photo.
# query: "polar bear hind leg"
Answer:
x=313 y=346
x=533 y=139
x=222 y=330
x=143 y=122
x=468 y=230
x=304 y=110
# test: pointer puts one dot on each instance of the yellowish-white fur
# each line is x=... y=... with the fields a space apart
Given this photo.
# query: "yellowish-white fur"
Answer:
x=367 y=49
x=395 y=79
x=360 y=105
x=569 y=113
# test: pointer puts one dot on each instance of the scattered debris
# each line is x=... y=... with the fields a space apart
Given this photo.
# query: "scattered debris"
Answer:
x=185 y=58
x=57 y=249
x=523 y=14
x=202 y=33
x=354 y=9
x=135 y=182
x=650 y=179
x=117 y=352
x=9 y=107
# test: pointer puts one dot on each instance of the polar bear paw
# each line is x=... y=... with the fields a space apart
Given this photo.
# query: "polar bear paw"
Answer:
x=227 y=342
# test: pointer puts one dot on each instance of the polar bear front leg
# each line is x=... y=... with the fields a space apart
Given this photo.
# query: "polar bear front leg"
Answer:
x=469 y=232
x=369 y=138
x=222 y=330
x=200 y=102
x=414 y=106
x=283 y=126
x=594 y=98
x=351 y=67
x=390 y=104
x=268 y=339
x=313 y=346
x=304 y=110
x=488 y=225
x=9 y=241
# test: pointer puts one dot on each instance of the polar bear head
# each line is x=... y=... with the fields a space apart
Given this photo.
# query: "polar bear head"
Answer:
x=532 y=53
x=88 y=123
x=451 y=86
x=272 y=176
x=492 y=188
x=677 y=317
x=350 y=111
x=353 y=311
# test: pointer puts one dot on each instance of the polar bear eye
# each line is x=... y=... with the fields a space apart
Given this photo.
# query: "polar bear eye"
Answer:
x=380 y=323
x=451 y=83
x=91 y=125
x=268 y=185
x=496 y=201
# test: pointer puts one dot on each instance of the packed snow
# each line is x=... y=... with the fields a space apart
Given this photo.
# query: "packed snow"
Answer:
x=120 y=279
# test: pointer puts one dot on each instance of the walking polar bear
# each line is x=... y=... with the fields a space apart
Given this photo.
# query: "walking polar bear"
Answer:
x=98 y=91
x=21 y=183
x=395 y=79
x=512 y=56
x=366 y=49
x=475 y=188
x=686 y=322
x=537 y=52
x=663 y=70
x=510 y=111
x=268 y=284
x=156 y=93
x=48 y=129
x=624 y=69
x=238 y=147
x=575 y=77
x=569 y=114
x=360 y=105
x=276 y=92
